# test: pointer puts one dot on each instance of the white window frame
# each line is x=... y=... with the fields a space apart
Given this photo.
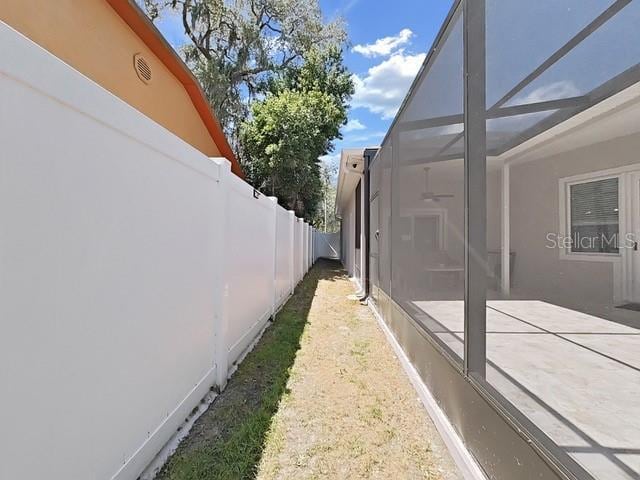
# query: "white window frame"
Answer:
x=565 y=210
x=622 y=262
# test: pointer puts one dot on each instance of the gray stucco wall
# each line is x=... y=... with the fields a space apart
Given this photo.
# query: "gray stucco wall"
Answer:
x=535 y=211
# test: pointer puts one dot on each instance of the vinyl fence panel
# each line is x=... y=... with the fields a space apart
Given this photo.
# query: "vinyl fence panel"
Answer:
x=133 y=272
x=298 y=249
x=305 y=247
x=249 y=253
x=284 y=257
x=108 y=251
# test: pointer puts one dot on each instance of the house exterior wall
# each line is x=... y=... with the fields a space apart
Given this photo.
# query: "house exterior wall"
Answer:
x=353 y=258
x=92 y=38
x=494 y=210
x=410 y=206
x=348 y=235
x=535 y=211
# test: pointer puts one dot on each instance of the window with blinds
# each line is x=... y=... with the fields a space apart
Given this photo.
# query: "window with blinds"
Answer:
x=594 y=216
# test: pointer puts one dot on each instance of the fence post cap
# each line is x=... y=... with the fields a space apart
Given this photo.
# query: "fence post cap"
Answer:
x=224 y=165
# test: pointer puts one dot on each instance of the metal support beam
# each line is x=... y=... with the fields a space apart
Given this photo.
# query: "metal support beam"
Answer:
x=433 y=159
x=475 y=162
x=432 y=122
x=562 y=51
x=522 y=109
x=618 y=83
x=510 y=111
x=450 y=144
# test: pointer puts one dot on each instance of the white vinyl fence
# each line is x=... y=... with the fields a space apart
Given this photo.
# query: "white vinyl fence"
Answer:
x=298 y=250
x=134 y=272
x=285 y=280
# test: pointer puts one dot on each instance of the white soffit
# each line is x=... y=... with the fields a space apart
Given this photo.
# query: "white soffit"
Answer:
x=347 y=179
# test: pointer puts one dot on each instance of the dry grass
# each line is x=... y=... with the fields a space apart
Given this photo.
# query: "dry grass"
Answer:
x=321 y=396
x=351 y=411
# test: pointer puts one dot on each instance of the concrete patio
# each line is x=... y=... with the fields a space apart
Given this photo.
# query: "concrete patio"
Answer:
x=575 y=376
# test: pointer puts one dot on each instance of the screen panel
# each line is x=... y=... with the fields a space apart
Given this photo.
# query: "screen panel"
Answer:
x=427 y=196
x=562 y=333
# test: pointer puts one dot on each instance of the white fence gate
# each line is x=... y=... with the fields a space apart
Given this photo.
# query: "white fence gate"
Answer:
x=327 y=245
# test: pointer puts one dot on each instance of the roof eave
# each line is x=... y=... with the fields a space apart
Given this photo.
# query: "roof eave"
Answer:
x=133 y=16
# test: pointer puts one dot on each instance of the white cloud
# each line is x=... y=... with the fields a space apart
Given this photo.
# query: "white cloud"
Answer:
x=384 y=87
x=352 y=125
x=384 y=46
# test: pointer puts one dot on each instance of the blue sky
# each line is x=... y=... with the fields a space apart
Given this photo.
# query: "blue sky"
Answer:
x=388 y=43
x=389 y=40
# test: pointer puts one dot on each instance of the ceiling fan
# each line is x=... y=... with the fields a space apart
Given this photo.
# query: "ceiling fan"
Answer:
x=428 y=196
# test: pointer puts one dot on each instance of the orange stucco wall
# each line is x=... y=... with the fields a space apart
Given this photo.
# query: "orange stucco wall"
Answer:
x=91 y=37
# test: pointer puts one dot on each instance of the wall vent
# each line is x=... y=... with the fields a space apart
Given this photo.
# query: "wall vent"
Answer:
x=143 y=70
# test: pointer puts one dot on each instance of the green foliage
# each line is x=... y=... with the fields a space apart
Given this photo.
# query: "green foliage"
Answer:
x=274 y=74
x=322 y=71
x=325 y=219
x=293 y=126
x=237 y=46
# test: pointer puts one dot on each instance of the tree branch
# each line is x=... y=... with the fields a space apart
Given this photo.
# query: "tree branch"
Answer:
x=189 y=31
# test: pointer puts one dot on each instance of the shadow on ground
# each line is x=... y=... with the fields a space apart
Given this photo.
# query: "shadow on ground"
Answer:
x=228 y=439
